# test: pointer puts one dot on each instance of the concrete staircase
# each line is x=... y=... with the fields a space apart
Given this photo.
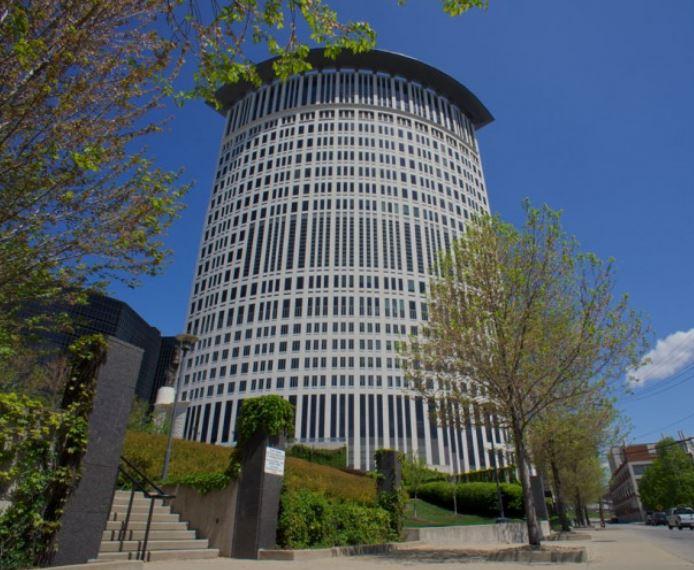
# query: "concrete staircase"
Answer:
x=169 y=538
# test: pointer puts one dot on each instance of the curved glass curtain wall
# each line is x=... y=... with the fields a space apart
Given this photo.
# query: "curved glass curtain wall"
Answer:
x=333 y=194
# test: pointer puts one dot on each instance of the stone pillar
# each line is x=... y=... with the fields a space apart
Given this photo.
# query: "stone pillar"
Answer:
x=257 y=505
x=390 y=470
x=538 y=489
x=87 y=509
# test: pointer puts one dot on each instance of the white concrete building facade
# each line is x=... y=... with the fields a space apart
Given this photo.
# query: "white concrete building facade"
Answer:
x=334 y=191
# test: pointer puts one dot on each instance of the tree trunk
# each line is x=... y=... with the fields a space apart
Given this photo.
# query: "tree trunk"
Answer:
x=534 y=530
x=585 y=509
x=561 y=507
x=578 y=509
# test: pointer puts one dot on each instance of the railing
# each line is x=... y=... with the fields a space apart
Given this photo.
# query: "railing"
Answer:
x=139 y=482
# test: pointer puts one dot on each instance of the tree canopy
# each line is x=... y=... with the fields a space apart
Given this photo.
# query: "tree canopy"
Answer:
x=522 y=321
x=81 y=201
x=669 y=480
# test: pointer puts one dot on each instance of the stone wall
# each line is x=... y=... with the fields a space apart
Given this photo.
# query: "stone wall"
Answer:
x=505 y=533
x=211 y=515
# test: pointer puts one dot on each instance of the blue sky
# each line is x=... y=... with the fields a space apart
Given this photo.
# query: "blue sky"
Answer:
x=594 y=109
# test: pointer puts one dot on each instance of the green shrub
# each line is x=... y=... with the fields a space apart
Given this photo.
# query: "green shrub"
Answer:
x=331 y=457
x=474 y=498
x=201 y=482
x=271 y=414
x=309 y=519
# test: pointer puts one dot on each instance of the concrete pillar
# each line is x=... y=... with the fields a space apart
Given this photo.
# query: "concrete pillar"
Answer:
x=257 y=506
x=87 y=509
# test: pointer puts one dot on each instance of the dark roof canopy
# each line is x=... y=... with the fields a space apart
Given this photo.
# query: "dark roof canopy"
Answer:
x=378 y=60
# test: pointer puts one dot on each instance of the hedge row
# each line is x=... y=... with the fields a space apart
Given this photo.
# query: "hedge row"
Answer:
x=202 y=466
x=334 y=483
x=474 y=498
x=309 y=519
x=331 y=457
x=146 y=451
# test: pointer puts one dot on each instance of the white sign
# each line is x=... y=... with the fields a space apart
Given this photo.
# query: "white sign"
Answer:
x=274 y=461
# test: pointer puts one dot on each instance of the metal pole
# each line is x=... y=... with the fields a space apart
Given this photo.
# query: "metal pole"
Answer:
x=502 y=515
x=172 y=417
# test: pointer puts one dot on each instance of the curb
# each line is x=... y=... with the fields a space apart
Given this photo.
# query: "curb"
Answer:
x=575 y=555
x=104 y=565
x=317 y=553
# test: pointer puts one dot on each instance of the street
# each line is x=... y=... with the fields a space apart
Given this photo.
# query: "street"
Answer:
x=679 y=543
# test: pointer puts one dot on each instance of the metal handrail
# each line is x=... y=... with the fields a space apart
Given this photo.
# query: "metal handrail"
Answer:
x=139 y=482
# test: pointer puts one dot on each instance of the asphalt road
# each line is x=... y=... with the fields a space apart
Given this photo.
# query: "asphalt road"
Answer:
x=679 y=543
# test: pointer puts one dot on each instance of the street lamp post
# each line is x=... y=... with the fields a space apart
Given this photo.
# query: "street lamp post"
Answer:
x=184 y=342
x=499 y=497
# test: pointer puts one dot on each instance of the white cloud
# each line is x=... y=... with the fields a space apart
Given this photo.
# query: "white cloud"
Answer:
x=670 y=355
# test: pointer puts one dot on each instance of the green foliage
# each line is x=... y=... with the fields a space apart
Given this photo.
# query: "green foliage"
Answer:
x=80 y=203
x=140 y=419
x=201 y=482
x=507 y=474
x=669 y=480
x=475 y=498
x=271 y=414
x=309 y=519
x=333 y=483
x=146 y=452
x=331 y=457
x=41 y=453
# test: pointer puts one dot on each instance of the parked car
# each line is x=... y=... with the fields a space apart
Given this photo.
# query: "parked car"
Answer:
x=680 y=517
x=659 y=518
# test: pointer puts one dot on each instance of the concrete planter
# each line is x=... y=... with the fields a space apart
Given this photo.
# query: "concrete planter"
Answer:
x=506 y=533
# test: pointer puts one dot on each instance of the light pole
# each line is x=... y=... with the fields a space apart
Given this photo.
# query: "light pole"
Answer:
x=502 y=515
x=184 y=342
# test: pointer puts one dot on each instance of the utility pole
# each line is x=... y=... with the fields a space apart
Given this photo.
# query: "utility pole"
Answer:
x=184 y=343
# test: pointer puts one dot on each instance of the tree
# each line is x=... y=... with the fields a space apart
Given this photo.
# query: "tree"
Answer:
x=522 y=321
x=669 y=480
x=81 y=203
x=566 y=438
x=415 y=473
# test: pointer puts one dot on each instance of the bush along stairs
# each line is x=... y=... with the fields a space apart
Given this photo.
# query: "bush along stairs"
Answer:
x=142 y=527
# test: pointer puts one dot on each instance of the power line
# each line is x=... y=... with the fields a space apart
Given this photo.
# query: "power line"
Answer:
x=658 y=385
x=665 y=427
x=661 y=390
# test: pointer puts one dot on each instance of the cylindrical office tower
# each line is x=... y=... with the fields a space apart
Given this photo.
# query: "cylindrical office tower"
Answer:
x=334 y=191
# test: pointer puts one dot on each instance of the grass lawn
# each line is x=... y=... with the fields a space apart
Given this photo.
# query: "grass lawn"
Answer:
x=431 y=515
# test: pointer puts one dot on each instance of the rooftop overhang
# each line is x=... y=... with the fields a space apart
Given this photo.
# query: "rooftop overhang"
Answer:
x=376 y=60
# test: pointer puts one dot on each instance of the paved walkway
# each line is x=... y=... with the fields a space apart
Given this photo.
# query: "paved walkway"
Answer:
x=616 y=548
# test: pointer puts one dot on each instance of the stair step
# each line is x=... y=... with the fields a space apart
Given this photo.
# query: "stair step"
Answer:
x=133 y=545
x=154 y=534
x=158 y=517
x=162 y=555
x=139 y=502
x=139 y=509
x=140 y=525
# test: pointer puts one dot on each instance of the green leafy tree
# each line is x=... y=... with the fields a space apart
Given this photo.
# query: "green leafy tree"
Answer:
x=669 y=480
x=522 y=321
x=81 y=202
x=566 y=438
x=415 y=473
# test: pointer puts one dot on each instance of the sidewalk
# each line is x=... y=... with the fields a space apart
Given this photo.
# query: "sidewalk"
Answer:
x=610 y=549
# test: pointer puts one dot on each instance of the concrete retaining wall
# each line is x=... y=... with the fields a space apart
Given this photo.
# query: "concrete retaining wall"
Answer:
x=507 y=533
x=212 y=515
